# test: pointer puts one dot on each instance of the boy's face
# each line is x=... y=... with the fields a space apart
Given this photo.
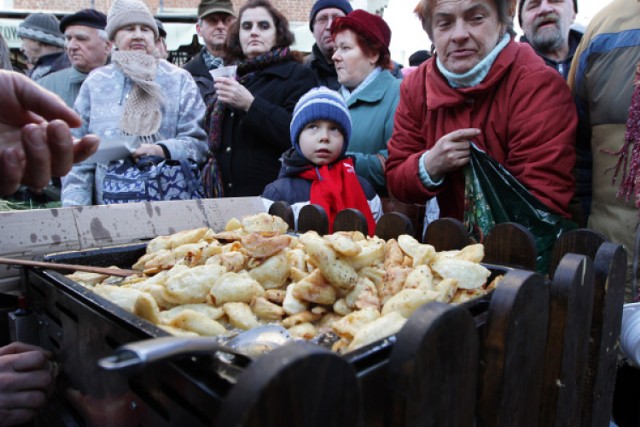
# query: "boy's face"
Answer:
x=321 y=142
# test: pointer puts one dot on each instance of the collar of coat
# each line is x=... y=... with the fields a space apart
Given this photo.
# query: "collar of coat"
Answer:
x=282 y=70
x=440 y=94
x=375 y=91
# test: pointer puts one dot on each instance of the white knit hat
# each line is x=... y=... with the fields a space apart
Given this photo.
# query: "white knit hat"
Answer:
x=128 y=12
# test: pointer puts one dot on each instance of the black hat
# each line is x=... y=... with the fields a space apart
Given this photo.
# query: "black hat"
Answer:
x=87 y=17
x=161 y=30
x=418 y=57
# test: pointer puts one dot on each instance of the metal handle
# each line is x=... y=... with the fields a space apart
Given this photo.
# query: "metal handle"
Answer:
x=138 y=354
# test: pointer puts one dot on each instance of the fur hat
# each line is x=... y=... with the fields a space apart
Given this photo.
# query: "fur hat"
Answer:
x=207 y=7
x=343 y=5
x=320 y=103
x=43 y=27
x=371 y=26
x=87 y=17
x=521 y=4
x=128 y=12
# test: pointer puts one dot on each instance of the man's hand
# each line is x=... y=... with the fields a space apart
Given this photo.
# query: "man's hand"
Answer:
x=26 y=381
x=32 y=149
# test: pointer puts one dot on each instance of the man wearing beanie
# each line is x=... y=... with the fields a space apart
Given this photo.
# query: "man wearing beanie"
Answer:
x=42 y=44
x=322 y=15
x=316 y=170
x=547 y=28
x=87 y=48
x=214 y=19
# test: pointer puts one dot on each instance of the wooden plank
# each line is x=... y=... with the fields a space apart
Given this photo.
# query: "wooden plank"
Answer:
x=610 y=272
x=393 y=224
x=581 y=241
x=284 y=211
x=414 y=212
x=297 y=385
x=433 y=364
x=565 y=360
x=510 y=244
x=512 y=351
x=446 y=234
x=350 y=220
x=313 y=218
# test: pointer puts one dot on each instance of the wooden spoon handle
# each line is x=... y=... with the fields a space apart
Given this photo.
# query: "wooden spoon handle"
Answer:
x=70 y=267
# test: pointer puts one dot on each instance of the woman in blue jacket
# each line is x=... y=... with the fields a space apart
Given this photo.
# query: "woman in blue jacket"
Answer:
x=363 y=61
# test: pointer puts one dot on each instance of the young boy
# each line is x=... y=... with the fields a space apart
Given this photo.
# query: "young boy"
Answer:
x=315 y=170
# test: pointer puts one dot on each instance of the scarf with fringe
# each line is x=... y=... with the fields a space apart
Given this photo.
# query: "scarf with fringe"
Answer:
x=142 y=114
x=630 y=185
x=247 y=69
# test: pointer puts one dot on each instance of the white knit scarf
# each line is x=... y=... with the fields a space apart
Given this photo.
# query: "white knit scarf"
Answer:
x=142 y=114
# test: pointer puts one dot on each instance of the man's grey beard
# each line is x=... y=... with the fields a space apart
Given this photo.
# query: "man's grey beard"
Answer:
x=545 y=42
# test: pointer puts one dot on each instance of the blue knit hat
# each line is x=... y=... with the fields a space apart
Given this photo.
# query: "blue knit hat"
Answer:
x=343 y=5
x=320 y=103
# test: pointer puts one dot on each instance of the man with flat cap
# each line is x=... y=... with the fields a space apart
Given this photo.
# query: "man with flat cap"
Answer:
x=88 y=48
x=322 y=15
x=214 y=19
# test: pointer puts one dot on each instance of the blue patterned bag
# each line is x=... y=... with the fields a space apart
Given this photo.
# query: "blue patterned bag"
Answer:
x=151 y=178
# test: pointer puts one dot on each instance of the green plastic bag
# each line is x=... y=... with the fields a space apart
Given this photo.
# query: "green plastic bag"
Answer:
x=493 y=196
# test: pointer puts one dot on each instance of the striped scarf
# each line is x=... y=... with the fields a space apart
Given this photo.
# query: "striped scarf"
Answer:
x=247 y=69
x=630 y=184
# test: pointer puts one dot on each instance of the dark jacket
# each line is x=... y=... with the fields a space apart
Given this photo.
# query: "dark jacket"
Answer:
x=563 y=66
x=50 y=63
x=325 y=73
x=253 y=141
x=198 y=69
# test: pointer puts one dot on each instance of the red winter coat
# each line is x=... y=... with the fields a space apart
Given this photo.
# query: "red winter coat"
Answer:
x=527 y=118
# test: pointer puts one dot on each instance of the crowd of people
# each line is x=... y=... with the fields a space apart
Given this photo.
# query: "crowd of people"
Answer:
x=341 y=127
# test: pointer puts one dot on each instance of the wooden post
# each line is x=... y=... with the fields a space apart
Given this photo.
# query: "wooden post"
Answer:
x=512 y=351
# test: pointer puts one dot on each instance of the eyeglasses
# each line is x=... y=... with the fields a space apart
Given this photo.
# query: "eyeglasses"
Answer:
x=325 y=20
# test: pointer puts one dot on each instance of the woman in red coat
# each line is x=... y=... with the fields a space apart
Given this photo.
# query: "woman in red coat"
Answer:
x=484 y=87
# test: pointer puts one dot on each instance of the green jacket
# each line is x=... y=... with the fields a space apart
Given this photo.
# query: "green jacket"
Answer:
x=372 y=112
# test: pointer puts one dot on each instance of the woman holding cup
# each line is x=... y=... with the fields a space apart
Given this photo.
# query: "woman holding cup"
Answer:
x=248 y=120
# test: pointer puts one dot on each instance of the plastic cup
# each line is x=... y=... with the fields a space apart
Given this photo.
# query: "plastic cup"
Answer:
x=227 y=71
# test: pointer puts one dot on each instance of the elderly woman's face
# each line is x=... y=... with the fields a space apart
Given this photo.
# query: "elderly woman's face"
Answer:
x=135 y=37
x=465 y=32
x=352 y=64
x=257 y=32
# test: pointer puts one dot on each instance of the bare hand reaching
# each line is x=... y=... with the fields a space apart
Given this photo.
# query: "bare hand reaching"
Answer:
x=35 y=140
x=450 y=153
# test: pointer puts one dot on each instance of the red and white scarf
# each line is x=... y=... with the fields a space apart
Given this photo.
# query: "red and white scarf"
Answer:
x=336 y=187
